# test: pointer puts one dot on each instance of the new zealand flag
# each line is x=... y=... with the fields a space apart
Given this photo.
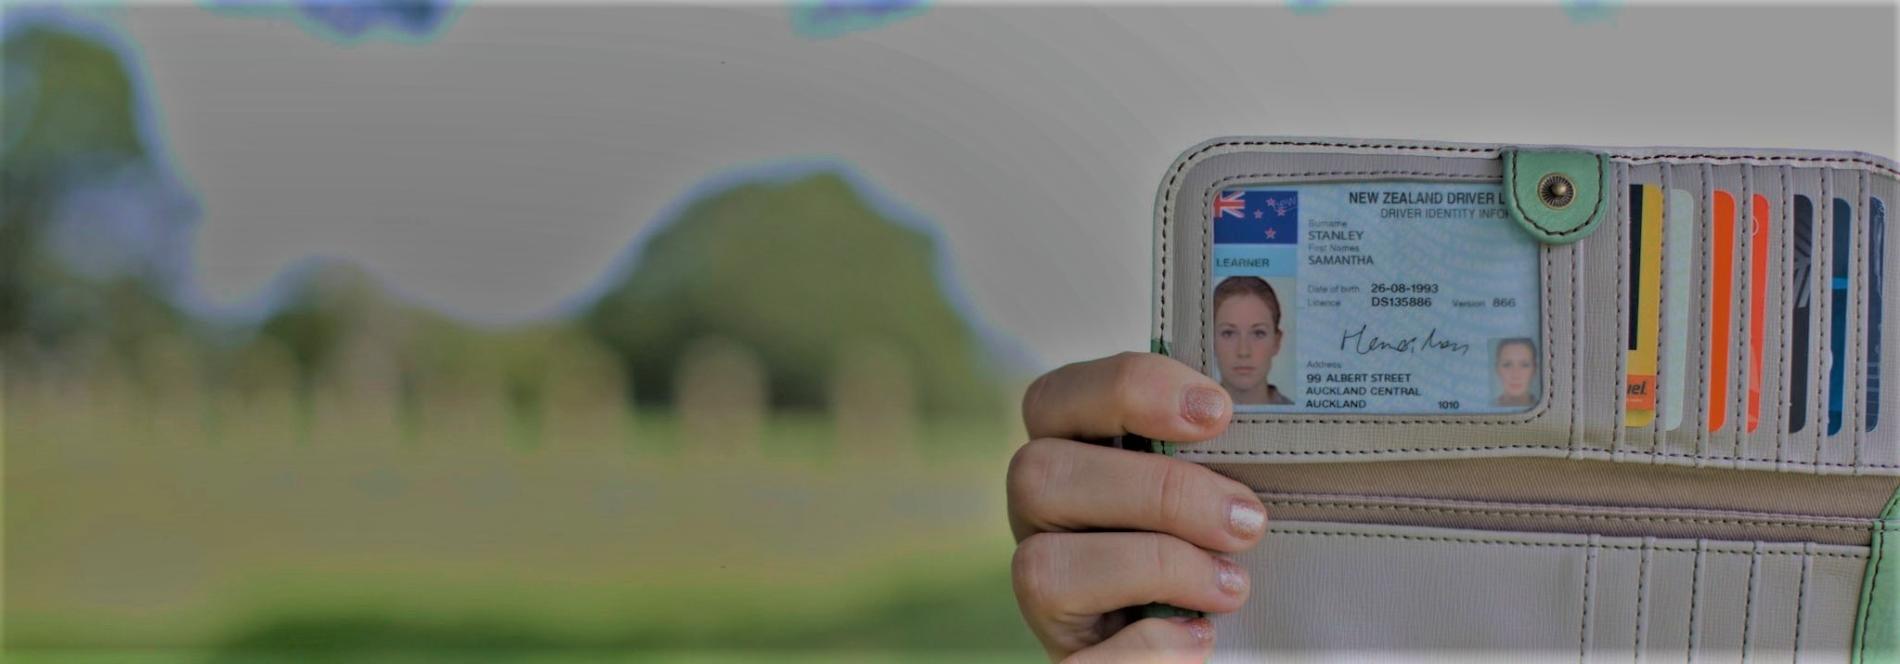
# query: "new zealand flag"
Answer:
x=1257 y=216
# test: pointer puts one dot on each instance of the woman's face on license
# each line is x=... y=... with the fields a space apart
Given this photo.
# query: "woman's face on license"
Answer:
x=1245 y=340
x=1516 y=367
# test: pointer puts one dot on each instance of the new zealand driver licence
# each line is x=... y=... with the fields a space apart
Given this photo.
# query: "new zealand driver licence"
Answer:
x=1373 y=297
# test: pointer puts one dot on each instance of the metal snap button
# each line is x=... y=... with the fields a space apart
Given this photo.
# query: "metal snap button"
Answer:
x=1556 y=191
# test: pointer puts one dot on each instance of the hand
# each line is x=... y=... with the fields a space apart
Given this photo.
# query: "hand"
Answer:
x=1099 y=529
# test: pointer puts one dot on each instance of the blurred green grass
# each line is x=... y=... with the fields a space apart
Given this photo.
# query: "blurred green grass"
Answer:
x=135 y=534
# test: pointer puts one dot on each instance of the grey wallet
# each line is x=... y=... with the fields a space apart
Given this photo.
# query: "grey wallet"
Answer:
x=1546 y=401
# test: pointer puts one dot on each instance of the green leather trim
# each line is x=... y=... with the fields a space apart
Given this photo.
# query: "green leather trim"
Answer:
x=1525 y=170
x=1157 y=610
x=1167 y=611
x=1877 y=628
x=1160 y=346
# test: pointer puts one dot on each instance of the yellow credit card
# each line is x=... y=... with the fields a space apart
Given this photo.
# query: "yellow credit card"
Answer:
x=1645 y=297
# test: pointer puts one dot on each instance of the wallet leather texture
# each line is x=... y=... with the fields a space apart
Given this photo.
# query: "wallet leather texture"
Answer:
x=1362 y=591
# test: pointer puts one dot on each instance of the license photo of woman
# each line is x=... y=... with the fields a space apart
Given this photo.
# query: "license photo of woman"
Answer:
x=1515 y=361
x=1247 y=336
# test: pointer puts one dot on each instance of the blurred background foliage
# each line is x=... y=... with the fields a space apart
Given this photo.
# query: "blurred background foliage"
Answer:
x=773 y=435
x=804 y=273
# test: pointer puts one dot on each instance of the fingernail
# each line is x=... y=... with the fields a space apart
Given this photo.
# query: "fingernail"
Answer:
x=1202 y=629
x=1203 y=405
x=1229 y=577
x=1246 y=519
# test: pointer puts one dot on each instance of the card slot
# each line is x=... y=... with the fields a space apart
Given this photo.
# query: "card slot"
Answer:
x=1323 y=587
x=1880 y=449
x=1686 y=364
x=1616 y=620
x=1667 y=340
x=1560 y=517
x=1602 y=349
x=1728 y=313
x=1722 y=603
x=1826 y=255
x=1767 y=286
x=1806 y=317
x=1644 y=295
x=1845 y=344
x=1864 y=297
x=1771 y=622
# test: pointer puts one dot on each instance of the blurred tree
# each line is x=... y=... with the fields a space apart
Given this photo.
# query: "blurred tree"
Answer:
x=791 y=271
x=68 y=113
x=92 y=230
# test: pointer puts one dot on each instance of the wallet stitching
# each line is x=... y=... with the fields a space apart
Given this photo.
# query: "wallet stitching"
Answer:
x=1518 y=207
x=1790 y=294
x=1860 y=318
x=1770 y=422
x=1620 y=407
x=1455 y=503
x=1544 y=312
x=1576 y=350
x=1533 y=514
x=1823 y=250
x=1555 y=545
x=1589 y=572
x=1739 y=376
x=1738 y=253
x=1744 y=438
x=1495 y=151
x=1477 y=448
x=1162 y=293
x=1748 y=603
x=1695 y=597
x=1642 y=596
x=1657 y=438
x=1171 y=191
x=1705 y=326
x=1873 y=582
x=1801 y=596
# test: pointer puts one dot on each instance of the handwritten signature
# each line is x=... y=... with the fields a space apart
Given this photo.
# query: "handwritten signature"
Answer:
x=1366 y=344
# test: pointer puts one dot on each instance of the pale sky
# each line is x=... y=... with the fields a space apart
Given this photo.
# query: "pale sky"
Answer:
x=502 y=168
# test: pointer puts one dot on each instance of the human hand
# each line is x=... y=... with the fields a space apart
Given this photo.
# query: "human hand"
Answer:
x=1100 y=529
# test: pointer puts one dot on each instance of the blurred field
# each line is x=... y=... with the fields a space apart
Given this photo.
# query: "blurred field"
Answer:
x=733 y=446
x=187 y=527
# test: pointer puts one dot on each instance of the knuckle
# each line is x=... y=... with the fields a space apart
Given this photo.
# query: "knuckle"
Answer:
x=1032 y=571
x=1130 y=369
x=1031 y=471
x=1176 y=568
x=1174 y=491
x=1158 y=551
x=1033 y=395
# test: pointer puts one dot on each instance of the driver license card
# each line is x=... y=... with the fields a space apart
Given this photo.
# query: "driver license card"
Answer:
x=1374 y=297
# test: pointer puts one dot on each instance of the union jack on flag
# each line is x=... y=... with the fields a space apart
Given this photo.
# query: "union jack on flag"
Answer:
x=1257 y=216
x=1233 y=203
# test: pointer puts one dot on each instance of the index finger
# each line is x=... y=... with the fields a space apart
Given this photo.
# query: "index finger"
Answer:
x=1140 y=393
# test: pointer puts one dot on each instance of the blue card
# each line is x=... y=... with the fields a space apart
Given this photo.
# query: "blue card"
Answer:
x=1384 y=297
x=1838 y=312
x=1876 y=293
